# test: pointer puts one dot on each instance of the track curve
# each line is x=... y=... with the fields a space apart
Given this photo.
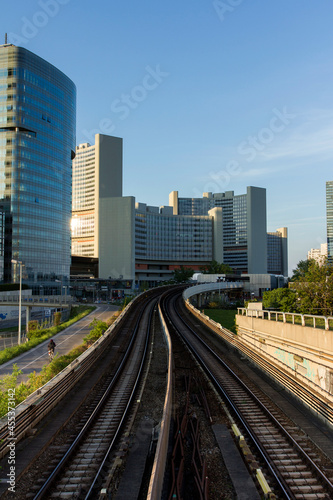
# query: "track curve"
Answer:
x=280 y=449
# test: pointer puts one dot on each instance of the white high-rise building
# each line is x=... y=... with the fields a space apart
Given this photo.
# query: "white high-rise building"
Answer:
x=318 y=254
x=97 y=177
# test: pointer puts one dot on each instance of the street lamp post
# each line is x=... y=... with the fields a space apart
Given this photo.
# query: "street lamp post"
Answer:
x=20 y=300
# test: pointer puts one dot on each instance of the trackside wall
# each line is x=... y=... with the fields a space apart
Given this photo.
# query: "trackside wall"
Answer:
x=307 y=351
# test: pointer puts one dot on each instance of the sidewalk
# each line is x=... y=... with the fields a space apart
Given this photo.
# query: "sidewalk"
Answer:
x=66 y=340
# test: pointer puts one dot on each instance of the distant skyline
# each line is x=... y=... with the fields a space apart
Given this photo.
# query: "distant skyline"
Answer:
x=208 y=96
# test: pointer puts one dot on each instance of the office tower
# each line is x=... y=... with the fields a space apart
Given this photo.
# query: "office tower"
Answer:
x=37 y=142
x=243 y=223
x=329 y=219
x=146 y=243
x=97 y=177
x=277 y=252
x=135 y=242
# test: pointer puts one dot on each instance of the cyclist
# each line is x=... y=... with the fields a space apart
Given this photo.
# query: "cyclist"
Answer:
x=51 y=346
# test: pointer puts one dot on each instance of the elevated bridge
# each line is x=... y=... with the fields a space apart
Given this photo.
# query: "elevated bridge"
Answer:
x=205 y=291
x=40 y=302
x=48 y=301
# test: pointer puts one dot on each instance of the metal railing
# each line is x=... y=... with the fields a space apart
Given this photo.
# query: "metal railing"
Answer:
x=310 y=320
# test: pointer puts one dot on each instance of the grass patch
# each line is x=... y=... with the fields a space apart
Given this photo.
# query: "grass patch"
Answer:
x=78 y=313
x=226 y=317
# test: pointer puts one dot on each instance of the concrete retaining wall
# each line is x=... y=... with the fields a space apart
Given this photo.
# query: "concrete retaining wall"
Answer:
x=307 y=351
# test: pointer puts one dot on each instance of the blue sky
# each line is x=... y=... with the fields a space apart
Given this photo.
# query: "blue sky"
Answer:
x=207 y=95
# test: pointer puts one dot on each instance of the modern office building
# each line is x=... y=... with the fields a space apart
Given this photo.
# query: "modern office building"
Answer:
x=97 y=177
x=164 y=241
x=152 y=242
x=329 y=219
x=134 y=242
x=145 y=243
x=277 y=252
x=244 y=232
x=37 y=143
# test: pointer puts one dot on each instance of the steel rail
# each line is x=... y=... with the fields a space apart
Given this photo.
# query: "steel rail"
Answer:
x=31 y=411
x=50 y=480
x=283 y=485
x=307 y=393
x=291 y=439
x=160 y=459
x=138 y=378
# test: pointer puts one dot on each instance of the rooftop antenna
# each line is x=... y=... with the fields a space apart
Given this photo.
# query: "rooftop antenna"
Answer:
x=5 y=38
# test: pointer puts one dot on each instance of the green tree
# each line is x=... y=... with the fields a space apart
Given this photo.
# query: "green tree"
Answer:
x=301 y=269
x=310 y=290
x=57 y=318
x=315 y=289
x=216 y=268
x=183 y=274
x=283 y=299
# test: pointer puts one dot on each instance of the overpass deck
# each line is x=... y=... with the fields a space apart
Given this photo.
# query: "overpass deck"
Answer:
x=37 y=300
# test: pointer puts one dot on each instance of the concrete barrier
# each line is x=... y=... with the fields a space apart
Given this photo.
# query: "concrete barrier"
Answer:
x=157 y=475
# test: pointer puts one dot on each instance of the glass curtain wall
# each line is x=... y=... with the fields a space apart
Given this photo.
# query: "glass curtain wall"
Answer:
x=37 y=143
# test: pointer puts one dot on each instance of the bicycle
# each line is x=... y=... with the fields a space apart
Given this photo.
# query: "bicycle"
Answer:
x=51 y=354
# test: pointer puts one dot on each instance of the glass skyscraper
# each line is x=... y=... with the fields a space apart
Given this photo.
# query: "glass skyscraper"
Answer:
x=37 y=144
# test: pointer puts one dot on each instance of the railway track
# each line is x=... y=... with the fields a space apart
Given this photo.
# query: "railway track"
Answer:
x=81 y=470
x=291 y=465
x=277 y=446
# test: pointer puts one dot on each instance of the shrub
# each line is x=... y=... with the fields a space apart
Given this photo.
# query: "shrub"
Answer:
x=56 y=318
x=8 y=382
x=98 y=328
x=126 y=301
x=32 y=325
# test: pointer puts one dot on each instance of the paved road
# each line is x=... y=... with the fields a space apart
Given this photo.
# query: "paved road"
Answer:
x=66 y=340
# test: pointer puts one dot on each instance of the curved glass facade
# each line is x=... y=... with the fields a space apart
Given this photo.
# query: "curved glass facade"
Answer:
x=37 y=143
